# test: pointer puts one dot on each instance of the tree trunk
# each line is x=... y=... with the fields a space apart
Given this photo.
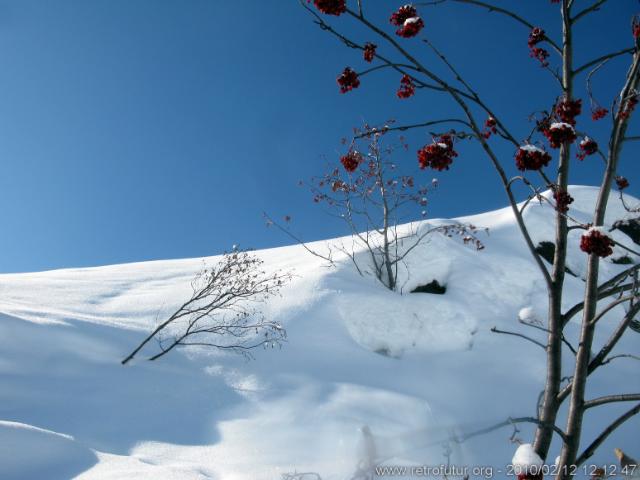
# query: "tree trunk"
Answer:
x=550 y=404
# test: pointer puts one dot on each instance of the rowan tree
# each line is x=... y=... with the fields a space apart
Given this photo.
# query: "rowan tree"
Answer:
x=373 y=195
x=545 y=153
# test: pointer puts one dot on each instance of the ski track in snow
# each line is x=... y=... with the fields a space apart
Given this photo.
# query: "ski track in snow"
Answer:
x=413 y=368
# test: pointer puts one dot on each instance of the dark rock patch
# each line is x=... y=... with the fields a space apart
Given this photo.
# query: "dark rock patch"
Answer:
x=547 y=250
x=631 y=228
x=431 y=287
x=624 y=260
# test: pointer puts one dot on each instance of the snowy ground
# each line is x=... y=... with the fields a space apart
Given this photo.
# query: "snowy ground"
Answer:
x=68 y=409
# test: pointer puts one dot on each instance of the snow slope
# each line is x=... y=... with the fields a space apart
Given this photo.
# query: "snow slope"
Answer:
x=412 y=368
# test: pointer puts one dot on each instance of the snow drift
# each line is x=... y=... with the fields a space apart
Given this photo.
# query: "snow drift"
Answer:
x=411 y=368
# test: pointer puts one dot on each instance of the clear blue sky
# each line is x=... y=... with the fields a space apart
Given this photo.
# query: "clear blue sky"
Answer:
x=133 y=130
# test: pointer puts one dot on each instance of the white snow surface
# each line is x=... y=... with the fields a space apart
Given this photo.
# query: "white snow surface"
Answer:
x=414 y=368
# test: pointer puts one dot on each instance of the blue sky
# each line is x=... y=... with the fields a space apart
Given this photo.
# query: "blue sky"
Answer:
x=133 y=130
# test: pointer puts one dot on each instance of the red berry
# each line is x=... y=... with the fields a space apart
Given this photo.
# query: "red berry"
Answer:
x=407 y=88
x=587 y=147
x=622 y=182
x=331 y=7
x=351 y=161
x=530 y=157
x=628 y=107
x=563 y=199
x=438 y=155
x=536 y=36
x=559 y=133
x=408 y=20
x=369 y=51
x=402 y=14
x=348 y=80
x=490 y=127
x=599 y=113
x=568 y=110
x=596 y=242
x=541 y=55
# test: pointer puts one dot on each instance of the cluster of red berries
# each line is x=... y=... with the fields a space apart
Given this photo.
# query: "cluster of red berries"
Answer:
x=530 y=157
x=598 y=113
x=369 y=51
x=563 y=199
x=558 y=126
x=408 y=21
x=351 y=161
x=635 y=28
x=490 y=127
x=596 y=242
x=559 y=133
x=348 y=80
x=622 y=182
x=437 y=155
x=588 y=147
x=407 y=88
x=568 y=110
x=331 y=7
x=536 y=36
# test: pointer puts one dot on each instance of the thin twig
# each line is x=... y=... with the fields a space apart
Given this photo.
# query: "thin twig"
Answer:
x=516 y=334
x=590 y=450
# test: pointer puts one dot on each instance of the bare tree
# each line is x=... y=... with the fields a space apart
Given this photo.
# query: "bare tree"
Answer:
x=481 y=123
x=222 y=312
x=371 y=195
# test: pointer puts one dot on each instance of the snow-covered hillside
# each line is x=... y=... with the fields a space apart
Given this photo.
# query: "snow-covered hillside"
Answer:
x=412 y=368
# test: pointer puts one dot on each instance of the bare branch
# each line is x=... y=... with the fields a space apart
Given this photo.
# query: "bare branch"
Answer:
x=221 y=311
x=592 y=8
x=622 y=355
x=516 y=334
x=600 y=358
x=328 y=257
x=546 y=330
x=506 y=423
x=577 y=308
x=612 y=305
x=403 y=128
x=503 y=11
x=590 y=450
x=628 y=397
x=602 y=59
